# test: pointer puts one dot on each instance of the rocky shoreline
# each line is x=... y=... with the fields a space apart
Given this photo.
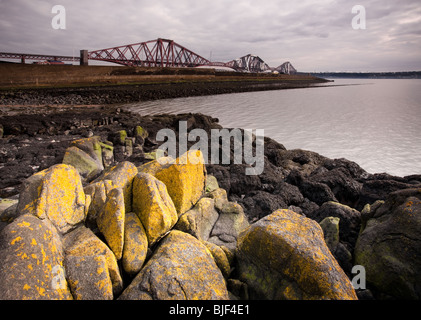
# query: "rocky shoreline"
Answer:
x=115 y=94
x=84 y=193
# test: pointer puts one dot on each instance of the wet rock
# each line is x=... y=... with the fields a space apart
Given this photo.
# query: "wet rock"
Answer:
x=379 y=186
x=345 y=189
x=316 y=192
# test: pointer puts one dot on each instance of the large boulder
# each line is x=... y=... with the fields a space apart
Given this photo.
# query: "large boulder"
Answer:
x=98 y=193
x=185 y=179
x=135 y=244
x=86 y=156
x=181 y=268
x=87 y=167
x=231 y=222
x=55 y=194
x=31 y=261
x=389 y=245
x=122 y=176
x=295 y=262
x=88 y=277
x=91 y=263
x=111 y=221
x=153 y=206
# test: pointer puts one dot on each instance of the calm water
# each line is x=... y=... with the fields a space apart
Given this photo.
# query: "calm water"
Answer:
x=376 y=123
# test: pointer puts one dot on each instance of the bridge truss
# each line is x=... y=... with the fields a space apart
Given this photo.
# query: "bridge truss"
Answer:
x=155 y=53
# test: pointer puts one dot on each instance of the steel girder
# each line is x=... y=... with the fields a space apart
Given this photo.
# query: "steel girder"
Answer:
x=154 y=53
x=28 y=56
x=248 y=63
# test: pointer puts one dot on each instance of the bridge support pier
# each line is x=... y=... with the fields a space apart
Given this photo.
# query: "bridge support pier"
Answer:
x=83 y=57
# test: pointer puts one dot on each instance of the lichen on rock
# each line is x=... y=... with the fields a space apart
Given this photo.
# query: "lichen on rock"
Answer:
x=284 y=256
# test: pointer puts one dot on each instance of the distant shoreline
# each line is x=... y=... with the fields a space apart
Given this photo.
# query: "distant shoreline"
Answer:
x=369 y=75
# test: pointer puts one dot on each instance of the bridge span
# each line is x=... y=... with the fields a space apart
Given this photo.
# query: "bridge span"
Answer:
x=154 y=53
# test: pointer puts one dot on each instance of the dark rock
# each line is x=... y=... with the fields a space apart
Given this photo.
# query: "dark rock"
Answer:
x=314 y=191
x=341 y=183
x=378 y=186
x=350 y=220
x=389 y=246
x=259 y=204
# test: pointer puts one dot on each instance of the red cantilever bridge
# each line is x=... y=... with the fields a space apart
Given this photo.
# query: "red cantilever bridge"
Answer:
x=154 y=53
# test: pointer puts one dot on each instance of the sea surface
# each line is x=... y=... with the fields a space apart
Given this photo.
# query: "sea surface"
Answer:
x=376 y=123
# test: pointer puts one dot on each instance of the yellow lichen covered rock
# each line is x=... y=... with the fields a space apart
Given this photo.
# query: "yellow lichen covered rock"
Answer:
x=181 y=268
x=153 y=206
x=55 y=194
x=82 y=242
x=111 y=221
x=135 y=244
x=152 y=167
x=88 y=277
x=185 y=179
x=98 y=192
x=31 y=261
x=284 y=256
x=122 y=177
x=220 y=258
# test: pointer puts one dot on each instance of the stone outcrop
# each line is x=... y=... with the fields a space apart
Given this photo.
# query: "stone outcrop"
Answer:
x=295 y=262
x=55 y=194
x=184 y=190
x=106 y=238
x=153 y=206
x=181 y=268
x=135 y=244
x=31 y=261
x=83 y=247
x=389 y=245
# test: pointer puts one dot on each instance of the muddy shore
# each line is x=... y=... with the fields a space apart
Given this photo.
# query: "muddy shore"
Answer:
x=95 y=95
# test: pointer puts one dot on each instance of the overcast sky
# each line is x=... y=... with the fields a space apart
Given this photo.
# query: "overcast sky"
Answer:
x=313 y=35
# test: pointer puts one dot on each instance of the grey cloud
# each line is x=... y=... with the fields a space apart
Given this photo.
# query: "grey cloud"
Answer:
x=313 y=35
